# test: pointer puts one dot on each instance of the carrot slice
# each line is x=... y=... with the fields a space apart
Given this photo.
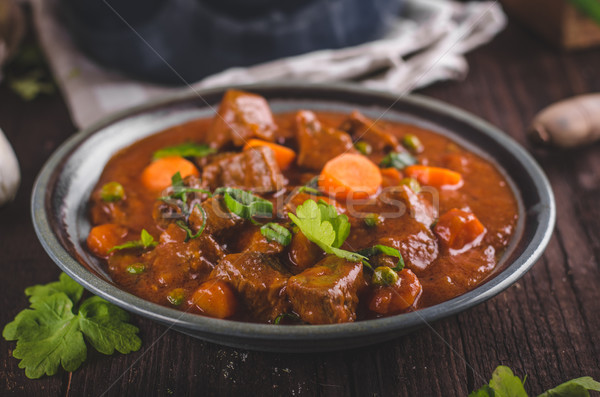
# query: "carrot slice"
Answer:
x=434 y=176
x=391 y=176
x=103 y=237
x=459 y=230
x=157 y=175
x=283 y=155
x=350 y=175
x=215 y=299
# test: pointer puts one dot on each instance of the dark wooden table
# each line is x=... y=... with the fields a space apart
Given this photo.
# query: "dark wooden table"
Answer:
x=547 y=326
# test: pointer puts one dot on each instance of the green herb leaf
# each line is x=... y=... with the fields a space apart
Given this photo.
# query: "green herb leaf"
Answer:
x=311 y=187
x=47 y=336
x=591 y=8
x=180 y=191
x=399 y=160
x=189 y=233
x=276 y=232
x=322 y=225
x=574 y=388
x=64 y=284
x=385 y=250
x=290 y=316
x=184 y=150
x=504 y=383
x=50 y=334
x=146 y=241
x=245 y=204
x=105 y=327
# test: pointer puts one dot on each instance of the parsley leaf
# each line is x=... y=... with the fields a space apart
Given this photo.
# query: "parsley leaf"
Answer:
x=64 y=284
x=47 y=337
x=104 y=326
x=146 y=241
x=322 y=225
x=505 y=384
x=188 y=149
x=51 y=333
x=574 y=388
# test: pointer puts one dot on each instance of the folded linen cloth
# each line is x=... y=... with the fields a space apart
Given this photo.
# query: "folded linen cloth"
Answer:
x=425 y=44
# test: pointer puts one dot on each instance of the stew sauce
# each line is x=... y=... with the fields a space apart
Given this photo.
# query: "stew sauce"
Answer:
x=448 y=213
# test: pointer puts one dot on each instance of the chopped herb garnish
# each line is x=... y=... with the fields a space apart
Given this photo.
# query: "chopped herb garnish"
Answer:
x=176 y=296
x=184 y=150
x=180 y=190
x=312 y=187
x=385 y=250
x=189 y=233
x=276 y=232
x=111 y=192
x=136 y=268
x=245 y=204
x=399 y=160
x=289 y=316
x=146 y=241
x=322 y=225
x=52 y=331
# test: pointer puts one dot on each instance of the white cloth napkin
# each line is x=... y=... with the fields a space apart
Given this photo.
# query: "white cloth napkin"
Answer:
x=425 y=44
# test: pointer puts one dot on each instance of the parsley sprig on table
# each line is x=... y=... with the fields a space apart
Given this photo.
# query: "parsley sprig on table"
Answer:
x=504 y=383
x=54 y=330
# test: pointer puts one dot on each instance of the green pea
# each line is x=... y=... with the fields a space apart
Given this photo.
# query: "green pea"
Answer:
x=136 y=268
x=412 y=143
x=176 y=296
x=373 y=220
x=412 y=183
x=363 y=147
x=384 y=275
x=111 y=192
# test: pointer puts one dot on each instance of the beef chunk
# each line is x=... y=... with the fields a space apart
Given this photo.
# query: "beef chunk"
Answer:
x=327 y=292
x=174 y=261
x=259 y=279
x=251 y=239
x=364 y=129
x=419 y=249
x=254 y=169
x=218 y=218
x=302 y=253
x=241 y=116
x=317 y=144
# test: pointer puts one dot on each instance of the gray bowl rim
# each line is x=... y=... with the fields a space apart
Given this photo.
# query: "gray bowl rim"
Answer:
x=219 y=330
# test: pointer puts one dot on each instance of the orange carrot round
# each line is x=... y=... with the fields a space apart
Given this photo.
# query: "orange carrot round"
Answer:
x=350 y=175
x=215 y=298
x=434 y=176
x=103 y=237
x=283 y=155
x=157 y=175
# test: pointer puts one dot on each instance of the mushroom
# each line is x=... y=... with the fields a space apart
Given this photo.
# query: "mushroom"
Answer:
x=10 y=176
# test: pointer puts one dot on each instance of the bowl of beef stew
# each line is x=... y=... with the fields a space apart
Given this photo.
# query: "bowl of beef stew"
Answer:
x=293 y=217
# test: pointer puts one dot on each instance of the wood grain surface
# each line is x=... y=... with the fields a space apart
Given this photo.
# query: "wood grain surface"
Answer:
x=546 y=326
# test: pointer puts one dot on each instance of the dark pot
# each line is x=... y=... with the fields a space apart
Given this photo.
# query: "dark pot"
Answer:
x=179 y=41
